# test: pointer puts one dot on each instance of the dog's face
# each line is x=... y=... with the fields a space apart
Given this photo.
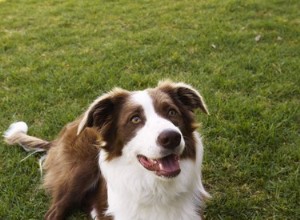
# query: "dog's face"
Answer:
x=151 y=128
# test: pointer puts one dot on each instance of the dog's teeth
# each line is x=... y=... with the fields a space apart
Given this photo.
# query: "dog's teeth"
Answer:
x=160 y=166
x=153 y=161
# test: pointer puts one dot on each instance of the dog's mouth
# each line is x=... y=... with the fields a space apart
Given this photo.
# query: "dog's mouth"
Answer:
x=167 y=166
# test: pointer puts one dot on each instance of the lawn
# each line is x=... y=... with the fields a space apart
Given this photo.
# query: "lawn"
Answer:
x=243 y=56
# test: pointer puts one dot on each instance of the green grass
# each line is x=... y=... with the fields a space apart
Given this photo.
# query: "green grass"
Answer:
x=57 y=56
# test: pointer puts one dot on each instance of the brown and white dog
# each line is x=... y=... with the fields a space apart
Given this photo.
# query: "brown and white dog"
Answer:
x=130 y=156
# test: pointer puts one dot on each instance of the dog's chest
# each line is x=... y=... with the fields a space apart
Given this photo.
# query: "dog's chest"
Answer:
x=146 y=207
x=146 y=198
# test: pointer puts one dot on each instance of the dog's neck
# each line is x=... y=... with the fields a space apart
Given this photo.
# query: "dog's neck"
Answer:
x=140 y=195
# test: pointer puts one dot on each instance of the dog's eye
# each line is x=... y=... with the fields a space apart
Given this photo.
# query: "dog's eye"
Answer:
x=172 y=112
x=135 y=119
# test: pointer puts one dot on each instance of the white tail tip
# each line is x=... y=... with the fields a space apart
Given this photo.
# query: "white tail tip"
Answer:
x=16 y=128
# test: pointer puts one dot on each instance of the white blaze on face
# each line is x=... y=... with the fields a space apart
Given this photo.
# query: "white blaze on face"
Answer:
x=145 y=140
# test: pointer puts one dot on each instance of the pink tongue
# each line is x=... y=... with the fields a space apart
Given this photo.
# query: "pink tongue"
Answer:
x=169 y=164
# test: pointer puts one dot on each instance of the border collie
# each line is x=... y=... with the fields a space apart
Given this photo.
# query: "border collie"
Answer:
x=130 y=156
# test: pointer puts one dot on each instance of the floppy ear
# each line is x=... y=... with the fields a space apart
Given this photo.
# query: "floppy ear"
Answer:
x=185 y=94
x=100 y=112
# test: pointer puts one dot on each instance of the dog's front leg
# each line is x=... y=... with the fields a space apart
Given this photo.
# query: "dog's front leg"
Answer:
x=60 y=207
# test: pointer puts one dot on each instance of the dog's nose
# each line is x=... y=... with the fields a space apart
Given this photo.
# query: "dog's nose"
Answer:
x=169 y=139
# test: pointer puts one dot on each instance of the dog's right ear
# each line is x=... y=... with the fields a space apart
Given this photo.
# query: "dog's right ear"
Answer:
x=100 y=112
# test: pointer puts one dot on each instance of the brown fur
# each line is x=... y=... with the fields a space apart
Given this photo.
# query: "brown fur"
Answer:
x=72 y=172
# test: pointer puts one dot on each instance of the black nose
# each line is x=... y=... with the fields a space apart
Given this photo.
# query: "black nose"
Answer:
x=169 y=139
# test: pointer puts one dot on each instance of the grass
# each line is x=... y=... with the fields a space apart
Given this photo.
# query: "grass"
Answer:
x=57 y=56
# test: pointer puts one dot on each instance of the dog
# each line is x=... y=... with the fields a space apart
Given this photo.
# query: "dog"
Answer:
x=130 y=156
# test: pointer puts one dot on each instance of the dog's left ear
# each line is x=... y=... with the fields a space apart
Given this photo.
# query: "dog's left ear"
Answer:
x=185 y=94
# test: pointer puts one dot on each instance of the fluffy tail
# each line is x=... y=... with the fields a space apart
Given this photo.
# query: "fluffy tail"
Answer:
x=17 y=134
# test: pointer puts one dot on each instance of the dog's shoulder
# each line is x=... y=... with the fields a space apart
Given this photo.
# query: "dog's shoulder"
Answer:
x=80 y=146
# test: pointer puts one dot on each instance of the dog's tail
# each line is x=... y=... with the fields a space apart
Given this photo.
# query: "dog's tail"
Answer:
x=17 y=134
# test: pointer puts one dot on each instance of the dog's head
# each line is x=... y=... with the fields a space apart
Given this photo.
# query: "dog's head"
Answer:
x=153 y=128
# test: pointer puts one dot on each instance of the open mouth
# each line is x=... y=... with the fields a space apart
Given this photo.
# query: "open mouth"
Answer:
x=167 y=166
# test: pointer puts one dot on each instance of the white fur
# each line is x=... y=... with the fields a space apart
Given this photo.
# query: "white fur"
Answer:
x=20 y=127
x=136 y=193
x=148 y=134
x=16 y=128
x=94 y=214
